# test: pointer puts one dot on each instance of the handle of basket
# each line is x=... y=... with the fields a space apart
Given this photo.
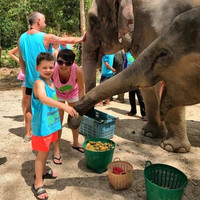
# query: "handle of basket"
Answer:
x=148 y=162
x=117 y=158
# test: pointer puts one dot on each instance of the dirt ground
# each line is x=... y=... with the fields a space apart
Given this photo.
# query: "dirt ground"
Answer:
x=74 y=180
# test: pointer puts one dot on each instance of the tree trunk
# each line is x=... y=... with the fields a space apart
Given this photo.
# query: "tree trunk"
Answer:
x=0 y=47
x=82 y=16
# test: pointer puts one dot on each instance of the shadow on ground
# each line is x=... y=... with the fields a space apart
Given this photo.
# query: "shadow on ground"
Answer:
x=193 y=128
x=20 y=131
x=137 y=188
x=17 y=118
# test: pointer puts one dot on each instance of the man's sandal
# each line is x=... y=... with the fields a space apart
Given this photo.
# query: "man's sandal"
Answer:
x=48 y=175
x=37 y=192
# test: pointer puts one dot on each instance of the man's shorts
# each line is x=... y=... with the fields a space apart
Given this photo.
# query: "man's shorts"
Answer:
x=43 y=143
x=29 y=91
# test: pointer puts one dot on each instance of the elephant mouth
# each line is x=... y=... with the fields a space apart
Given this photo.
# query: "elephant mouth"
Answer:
x=162 y=84
x=162 y=96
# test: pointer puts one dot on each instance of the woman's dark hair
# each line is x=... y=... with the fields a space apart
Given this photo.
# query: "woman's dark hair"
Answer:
x=67 y=55
x=44 y=56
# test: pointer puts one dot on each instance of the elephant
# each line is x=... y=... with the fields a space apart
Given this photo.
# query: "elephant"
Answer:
x=163 y=36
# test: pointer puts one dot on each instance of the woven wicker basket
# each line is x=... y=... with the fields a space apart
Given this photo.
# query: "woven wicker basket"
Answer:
x=120 y=181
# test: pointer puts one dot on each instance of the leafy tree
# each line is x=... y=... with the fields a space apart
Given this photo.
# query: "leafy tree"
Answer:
x=61 y=16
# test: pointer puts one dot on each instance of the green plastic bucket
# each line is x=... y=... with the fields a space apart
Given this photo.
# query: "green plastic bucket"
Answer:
x=164 y=182
x=98 y=160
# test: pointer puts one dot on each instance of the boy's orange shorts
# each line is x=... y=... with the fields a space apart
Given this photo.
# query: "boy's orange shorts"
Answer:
x=43 y=143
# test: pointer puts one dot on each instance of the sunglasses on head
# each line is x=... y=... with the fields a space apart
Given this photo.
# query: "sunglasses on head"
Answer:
x=67 y=63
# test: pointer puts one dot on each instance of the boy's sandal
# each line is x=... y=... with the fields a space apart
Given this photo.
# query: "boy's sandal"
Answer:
x=48 y=175
x=37 y=192
x=58 y=159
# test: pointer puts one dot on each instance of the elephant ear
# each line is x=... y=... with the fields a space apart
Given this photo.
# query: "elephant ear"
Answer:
x=125 y=23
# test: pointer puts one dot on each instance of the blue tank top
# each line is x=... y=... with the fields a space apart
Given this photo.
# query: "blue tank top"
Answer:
x=45 y=119
x=31 y=45
x=109 y=58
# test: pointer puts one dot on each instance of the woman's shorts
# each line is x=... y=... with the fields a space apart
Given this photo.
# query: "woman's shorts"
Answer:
x=23 y=84
x=43 y=143
x=75 y=99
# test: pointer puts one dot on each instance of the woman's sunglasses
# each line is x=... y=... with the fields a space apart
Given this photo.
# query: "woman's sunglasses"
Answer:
x=67 y=63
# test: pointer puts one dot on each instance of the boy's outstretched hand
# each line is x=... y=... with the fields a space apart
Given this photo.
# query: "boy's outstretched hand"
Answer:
x=70 y=110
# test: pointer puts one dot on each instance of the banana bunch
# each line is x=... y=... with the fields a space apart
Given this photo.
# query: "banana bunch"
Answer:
x=98 y=146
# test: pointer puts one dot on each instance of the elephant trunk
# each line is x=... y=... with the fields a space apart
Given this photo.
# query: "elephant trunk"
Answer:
x=136 y=75
x=127 y=80
x=89 y=61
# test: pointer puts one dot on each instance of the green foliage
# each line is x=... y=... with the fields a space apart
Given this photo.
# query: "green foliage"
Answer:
x=61 y=16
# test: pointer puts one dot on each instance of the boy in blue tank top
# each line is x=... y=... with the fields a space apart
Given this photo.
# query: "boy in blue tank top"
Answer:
x=45 y=120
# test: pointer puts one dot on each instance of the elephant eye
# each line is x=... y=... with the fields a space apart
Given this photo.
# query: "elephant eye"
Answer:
x=162 y=54
x=163 y=58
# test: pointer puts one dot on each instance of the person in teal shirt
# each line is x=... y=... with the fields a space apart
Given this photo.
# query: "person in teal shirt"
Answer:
x=31 y=44
x=107 y=71
x=128 y=61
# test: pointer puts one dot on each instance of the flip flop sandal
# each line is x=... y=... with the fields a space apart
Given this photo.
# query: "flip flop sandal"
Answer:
x=48 y=175
x=27 y=139
x=40 y=190
x=58 y=159
x=80 y=149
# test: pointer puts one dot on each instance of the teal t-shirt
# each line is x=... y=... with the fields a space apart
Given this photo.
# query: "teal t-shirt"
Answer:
x=109 y=58
x=31 y=45
x=45 y=119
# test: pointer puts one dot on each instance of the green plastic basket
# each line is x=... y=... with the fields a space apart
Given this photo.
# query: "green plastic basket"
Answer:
x=164 y=182
x=98 y=160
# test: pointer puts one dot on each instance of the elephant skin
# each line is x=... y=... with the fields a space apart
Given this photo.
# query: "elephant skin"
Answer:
x=163 y=36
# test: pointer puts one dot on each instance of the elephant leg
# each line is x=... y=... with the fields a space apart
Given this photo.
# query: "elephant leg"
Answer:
x=176 y=139
x=154 y=127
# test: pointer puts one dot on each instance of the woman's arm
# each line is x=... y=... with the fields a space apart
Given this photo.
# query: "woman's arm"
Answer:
x=12 y=53
x=21 y=61
x=80 y=81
